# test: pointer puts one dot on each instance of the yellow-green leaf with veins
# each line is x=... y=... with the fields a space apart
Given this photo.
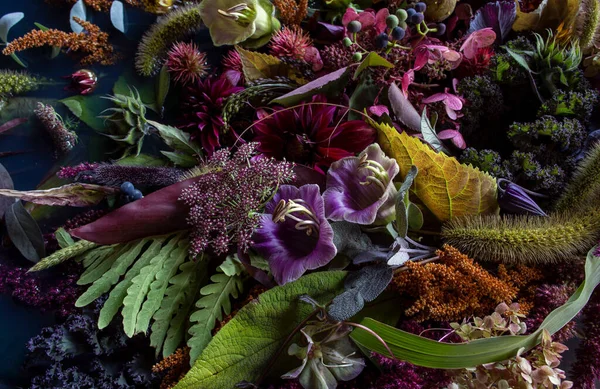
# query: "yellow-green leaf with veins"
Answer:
x=259 y=65
x=448 y=188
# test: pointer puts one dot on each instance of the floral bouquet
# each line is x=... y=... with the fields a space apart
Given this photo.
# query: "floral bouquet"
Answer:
x=372 y=194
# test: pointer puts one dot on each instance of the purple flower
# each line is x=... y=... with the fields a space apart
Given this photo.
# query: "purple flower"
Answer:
x=500 y=16
x=515 y=199
x=294 y=235
x=360 y=189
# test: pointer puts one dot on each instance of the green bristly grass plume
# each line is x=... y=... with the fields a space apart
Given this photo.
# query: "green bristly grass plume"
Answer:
x=588 y=21
x=63 y=255
x=584 y=189
x=14 y=83
x=524 y=239
x=155 y=44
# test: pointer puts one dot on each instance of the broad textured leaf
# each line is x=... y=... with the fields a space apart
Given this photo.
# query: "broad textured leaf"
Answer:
x=403 y=109
x=24 y=232
x=257 y=65
x=118 y=16
x=87 y=109
x=372 y=59
x=176 y=139
x=79 y=11
x=446 y=187
x=6 y=182
x=333 y=83
x=7 y=22
x=212 y=306
x=426 y=352
x=74 y=195
x=243 y=347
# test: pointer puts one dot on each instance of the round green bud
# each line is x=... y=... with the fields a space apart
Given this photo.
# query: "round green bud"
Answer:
x=401 y=14
x=356 y=57
x=347 y=42
x=392 y=21
x=403 y=25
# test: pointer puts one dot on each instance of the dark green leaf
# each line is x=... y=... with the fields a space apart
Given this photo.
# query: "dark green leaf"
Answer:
x=402 y=202
x=520 y=59
x=363 y=97
x=24 y=232
x=332 y=83
x=6 y=182
x=87 y=109
x=163 y=83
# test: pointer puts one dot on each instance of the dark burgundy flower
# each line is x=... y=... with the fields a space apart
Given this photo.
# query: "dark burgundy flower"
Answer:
x=202 y=109
x=82 y=81
x=311 y=134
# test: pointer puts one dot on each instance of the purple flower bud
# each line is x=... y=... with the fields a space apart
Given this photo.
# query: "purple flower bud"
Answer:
x=512 y=198
x=83 y=81
x=360 y=189
x=294 y=235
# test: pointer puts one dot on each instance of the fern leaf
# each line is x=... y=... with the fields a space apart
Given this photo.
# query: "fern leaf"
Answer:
x=160 y=284
x=111 y=276
x=140 y=286
x=116 y=296
x=103 y=264
x=211 y=308
x=92 y=257
x=168 y=328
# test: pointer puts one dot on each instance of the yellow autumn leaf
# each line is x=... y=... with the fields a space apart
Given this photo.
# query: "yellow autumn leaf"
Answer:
x=446 y=187
x=259 y=65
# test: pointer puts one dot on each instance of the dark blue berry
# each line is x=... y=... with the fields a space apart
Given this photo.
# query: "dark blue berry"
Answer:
x=354 y=26
x=410 y=12
x=127 y=187
x=398 y=33
x=441 y=29
x=417 y=18
x=420 y=7
x=381 y=40
x=136 y=195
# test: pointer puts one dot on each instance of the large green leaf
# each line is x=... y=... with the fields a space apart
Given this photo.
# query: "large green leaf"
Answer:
x=426 y=352
x=243 y=347
x=87 y=109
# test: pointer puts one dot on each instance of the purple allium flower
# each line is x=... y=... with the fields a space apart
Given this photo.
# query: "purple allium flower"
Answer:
x=360 y=189
x=227 y=196
x=513 y=198
x=294 y=235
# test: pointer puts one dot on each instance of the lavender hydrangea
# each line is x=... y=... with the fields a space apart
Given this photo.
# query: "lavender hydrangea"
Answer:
x=360 y=189
x=294 y=235
x=226 y=199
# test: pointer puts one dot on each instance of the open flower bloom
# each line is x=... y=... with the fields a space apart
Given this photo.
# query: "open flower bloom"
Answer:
x=478 y=40
x=235 y=21
x=430 y=54
x=325 y=362
x=360 y=189
x=294 y=235
x=367 y=18
x=452 y=102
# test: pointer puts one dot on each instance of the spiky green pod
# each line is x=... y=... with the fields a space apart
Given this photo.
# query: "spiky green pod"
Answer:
x=155 y=43
x=63 y=255
x=14 y=83
x=523 y=239
x=588 y=23
x=584 y=189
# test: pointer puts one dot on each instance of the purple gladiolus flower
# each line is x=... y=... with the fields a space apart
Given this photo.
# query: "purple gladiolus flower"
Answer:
x=294 y=235
x=360 y=189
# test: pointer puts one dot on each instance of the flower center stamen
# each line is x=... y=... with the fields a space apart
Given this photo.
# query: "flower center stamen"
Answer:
x=376 y=173
x=241 y=13
x=295 y=210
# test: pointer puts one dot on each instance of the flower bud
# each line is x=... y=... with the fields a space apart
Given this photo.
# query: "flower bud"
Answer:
x=392 y=21
x=82 y=81
x=354 y=26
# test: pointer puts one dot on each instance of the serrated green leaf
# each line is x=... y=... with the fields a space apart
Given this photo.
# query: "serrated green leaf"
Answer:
x=520 y=59
x=176 y=139
x=231 y=266
x=243 y=347
x=179 y=159
x=426 y=352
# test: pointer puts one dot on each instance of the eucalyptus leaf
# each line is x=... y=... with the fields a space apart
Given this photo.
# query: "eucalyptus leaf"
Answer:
x=7 y=22
x=118 y=17
x=163 y=83
x=6 y=182
x=78 y=10
x=429 y=353
x=429 y=134
x=24 y=232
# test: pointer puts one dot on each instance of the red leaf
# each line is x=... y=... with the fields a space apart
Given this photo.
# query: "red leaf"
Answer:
x=12 y=124
x=158 y=213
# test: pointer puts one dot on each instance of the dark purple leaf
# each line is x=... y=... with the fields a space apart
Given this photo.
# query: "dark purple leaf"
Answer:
x=332 y=82
x=499 y=15
x=5 y=183
x=158 y=213
x=24 y=232
x=12 y=124
x=403 y=109
x=325 y=32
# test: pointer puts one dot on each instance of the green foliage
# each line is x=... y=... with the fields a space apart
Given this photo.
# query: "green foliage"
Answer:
x=579 y=105
x=215 y=301
x=485 y=102
x=584 y=189
x=487 y=161
x=523 y=239
x=151 y=279
x=505 y=69
x=244 y=346
x=554 y=63
x=60 y=256
x=155 y=44
x=14 y=83
x=589 y=17
x=537 y=176
x=566 y=135
x=429 y=353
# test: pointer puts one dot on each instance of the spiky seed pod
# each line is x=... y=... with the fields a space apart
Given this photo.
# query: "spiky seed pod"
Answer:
x=587 y=23
x=63 y=255
x=523 y=239
x=64 y=140
x=584 y=189
x=155 y=43
x=14 y=83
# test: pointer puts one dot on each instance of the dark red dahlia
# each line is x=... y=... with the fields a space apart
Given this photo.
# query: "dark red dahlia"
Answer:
x=202 y=109
x=311 y=134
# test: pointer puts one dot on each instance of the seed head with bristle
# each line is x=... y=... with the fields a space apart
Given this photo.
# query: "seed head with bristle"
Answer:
x=186 y=63
x=290 y=42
